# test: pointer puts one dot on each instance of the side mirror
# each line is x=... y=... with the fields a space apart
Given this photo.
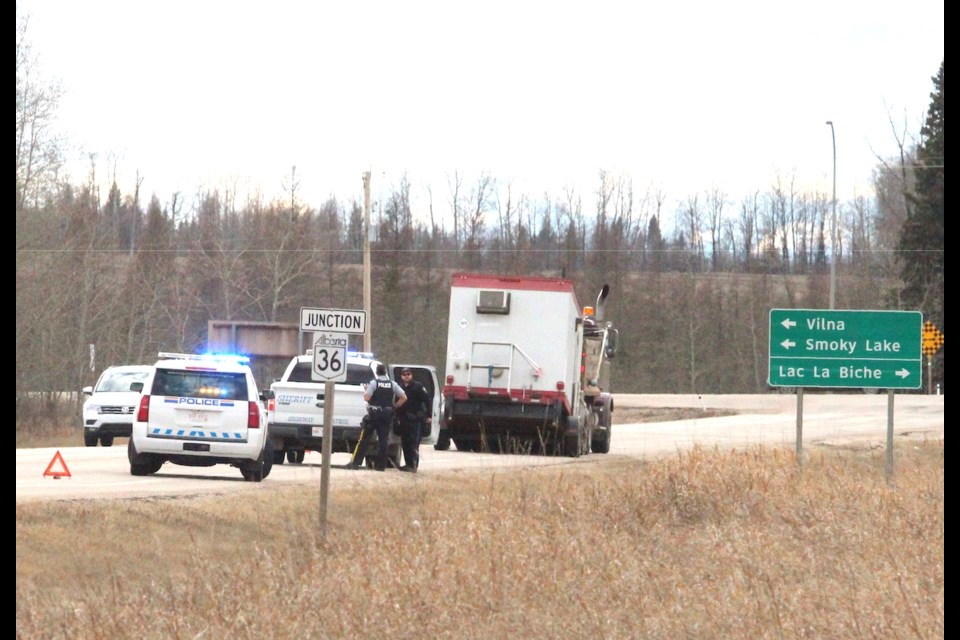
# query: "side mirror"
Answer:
x=613 y=337
x=136 y=387
x=87 y=391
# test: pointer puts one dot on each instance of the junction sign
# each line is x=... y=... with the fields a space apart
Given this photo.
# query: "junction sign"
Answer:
x=862 y=349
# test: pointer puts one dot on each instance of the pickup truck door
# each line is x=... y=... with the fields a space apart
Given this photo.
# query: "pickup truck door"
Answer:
x=427 y=376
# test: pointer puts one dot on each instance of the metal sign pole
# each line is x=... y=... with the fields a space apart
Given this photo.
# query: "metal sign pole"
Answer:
x=889 y=435
x=800 y=426
x=328 y=388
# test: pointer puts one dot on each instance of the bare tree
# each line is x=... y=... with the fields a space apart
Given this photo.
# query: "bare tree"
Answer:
x=283 y=253
x=716 y=199
x=455 y=184
x=571 y=227
x=39 y=147
x=692 y=218
x=480 y=201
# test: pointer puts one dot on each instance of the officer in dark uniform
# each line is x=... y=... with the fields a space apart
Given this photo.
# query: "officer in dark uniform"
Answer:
x=411 y=418
x=383 y=397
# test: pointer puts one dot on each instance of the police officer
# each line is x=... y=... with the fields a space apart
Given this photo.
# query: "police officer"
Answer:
x=383 y=397
x=411 y=418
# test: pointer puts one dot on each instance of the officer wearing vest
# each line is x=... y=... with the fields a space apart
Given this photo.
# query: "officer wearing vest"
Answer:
x=383 y=397
x=411 y=418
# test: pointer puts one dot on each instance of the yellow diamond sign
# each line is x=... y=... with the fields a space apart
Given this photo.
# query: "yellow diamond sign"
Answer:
x=932 y=339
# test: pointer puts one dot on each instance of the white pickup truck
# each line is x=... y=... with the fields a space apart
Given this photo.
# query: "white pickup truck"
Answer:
x=295 y=407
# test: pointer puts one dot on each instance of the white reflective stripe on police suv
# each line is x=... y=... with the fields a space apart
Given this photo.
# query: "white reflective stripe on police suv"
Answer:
x=196 y=434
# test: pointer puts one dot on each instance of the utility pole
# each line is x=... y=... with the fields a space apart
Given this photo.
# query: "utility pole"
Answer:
x=367 y=336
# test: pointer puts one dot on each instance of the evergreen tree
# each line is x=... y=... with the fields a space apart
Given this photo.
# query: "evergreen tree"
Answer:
x=920 y=249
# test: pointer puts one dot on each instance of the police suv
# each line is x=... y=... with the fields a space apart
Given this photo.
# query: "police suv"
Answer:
x=198 y=411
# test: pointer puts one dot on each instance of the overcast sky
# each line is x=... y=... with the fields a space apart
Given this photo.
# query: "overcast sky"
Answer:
x=683 y=96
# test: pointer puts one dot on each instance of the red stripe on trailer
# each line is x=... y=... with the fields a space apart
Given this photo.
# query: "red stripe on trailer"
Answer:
x=527 y=283
x=522 y=396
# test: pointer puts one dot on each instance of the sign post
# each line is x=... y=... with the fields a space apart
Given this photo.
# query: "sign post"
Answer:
x=331 y=327
x=861 y=349
x=858 y=349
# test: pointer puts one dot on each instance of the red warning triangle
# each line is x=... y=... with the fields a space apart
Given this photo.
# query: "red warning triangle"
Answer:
x=55 y=473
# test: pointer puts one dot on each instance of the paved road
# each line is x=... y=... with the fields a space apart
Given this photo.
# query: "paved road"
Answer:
x=771 y=420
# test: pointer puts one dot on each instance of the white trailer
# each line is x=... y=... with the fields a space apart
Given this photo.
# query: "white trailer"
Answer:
x=526 y=368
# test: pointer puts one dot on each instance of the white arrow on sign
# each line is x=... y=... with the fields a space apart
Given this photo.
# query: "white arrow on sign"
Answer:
x=788 y=323
x=903 y=373
x=786 y=344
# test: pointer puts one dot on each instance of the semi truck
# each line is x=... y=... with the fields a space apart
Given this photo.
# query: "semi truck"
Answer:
x=527 y=368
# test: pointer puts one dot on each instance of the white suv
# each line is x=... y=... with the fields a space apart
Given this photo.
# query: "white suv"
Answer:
x=108 y=412
x=198 y=411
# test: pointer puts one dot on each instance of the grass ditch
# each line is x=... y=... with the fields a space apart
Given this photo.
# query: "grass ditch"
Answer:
x=701 y=544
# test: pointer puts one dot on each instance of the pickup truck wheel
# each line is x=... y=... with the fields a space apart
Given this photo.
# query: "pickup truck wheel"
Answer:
x=89 y=439
x=296 y=457
x=106 y=441
x=279 y=456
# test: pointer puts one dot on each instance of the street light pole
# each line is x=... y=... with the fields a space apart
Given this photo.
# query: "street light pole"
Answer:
x=833 y=224
x=368 y=335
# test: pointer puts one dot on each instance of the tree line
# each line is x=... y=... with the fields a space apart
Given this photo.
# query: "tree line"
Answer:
x=691 y=303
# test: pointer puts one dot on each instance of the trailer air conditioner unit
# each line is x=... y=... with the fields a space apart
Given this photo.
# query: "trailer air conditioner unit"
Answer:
x=493 y=302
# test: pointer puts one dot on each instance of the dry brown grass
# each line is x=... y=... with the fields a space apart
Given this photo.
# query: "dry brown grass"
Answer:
x=704 y=544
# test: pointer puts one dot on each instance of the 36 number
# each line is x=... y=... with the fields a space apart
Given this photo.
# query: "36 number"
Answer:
x=329 y=360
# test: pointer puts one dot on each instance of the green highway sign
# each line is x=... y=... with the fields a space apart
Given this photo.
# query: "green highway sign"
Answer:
x=827 y=348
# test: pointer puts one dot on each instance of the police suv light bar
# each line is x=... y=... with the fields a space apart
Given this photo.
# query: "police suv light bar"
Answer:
x=224 y=357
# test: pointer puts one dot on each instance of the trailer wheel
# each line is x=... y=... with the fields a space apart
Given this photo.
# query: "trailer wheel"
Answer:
x=573 y=444
x=466 y=445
